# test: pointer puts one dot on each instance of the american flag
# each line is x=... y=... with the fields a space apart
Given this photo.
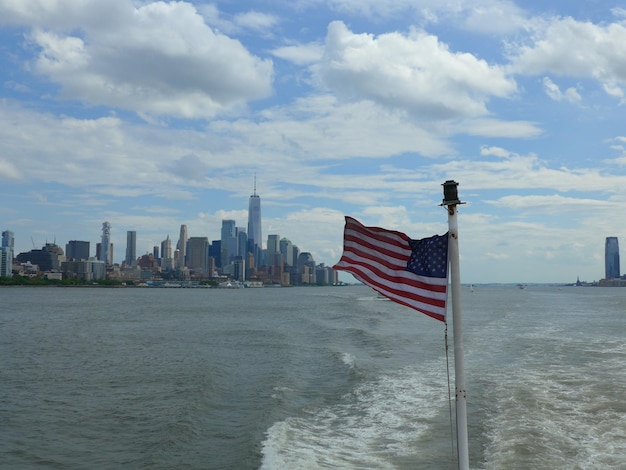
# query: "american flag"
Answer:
x=410 y=272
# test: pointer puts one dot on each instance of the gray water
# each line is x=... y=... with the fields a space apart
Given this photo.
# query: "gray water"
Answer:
x=307 y=378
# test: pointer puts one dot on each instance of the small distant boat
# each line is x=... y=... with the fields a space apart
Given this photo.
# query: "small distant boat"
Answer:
x=522 y=286
x=230 y=285
x=253 y=284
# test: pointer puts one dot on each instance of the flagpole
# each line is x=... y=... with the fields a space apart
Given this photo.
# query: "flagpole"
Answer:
x=451 y=200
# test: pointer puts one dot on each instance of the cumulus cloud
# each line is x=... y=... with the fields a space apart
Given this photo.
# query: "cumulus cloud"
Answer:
x=565 y=46
x=160 y=58
x=554 y=92
x=8 y=170
x=246 y=22
x=301 y=54
x=413 y=72
x=495 y=151
x=188 y=167
x=481 y=16
x=493 y=17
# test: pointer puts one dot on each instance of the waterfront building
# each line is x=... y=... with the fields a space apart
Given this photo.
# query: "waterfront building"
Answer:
x=77 y=269
x=296 y=254
x=131 y=248
x=215 y=251
x=229 y=242
x=8 y=239
x=239 y=269
x=77 y=250
x=6 y=261
x=49 y=258
x=211 y=267
x=306 y=268
x=99 y=253
x=166 y=248
x=6 y=254
x=198 y=253
x=242 y=242
x=105 y=245
x=611 y=258
x=167 y=260
x=273 y=249
x=255 y=237
x=286 y=249
x=181 y=246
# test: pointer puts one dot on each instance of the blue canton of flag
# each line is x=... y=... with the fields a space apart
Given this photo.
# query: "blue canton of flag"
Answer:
x=429 y=256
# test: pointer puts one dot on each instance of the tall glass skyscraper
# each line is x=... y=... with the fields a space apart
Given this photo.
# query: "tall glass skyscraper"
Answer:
x=131 y=247
x=181 y=246
x=6 y=253
x=105 y=247
x=8 y=239
x=273 y=249
x=229 y=242
x=255 y=238
x=611 y=258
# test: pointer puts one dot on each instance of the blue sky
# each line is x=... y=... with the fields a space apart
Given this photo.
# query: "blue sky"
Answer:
x=150 y=115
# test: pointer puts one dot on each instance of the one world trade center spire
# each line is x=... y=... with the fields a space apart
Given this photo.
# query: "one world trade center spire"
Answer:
x=254 y=227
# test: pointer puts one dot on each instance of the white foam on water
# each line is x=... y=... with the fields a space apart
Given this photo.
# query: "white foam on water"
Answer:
x=367 y=428
x=561 y=415
x=348 y=359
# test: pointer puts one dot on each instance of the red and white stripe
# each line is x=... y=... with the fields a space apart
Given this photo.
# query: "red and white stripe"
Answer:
x=378 y=258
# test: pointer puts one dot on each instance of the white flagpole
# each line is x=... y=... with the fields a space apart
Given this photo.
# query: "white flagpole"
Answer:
x=450 y=200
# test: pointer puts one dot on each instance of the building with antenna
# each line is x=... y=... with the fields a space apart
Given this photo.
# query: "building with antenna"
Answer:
x=255 y=237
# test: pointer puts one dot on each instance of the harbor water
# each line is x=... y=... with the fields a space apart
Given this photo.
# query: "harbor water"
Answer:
x=308 y=378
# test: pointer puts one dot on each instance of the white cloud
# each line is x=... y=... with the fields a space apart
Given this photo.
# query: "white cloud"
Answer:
x=554 y=92
x=301 y=54
x=416 y=73
x=553 y=204
x=495 y=151
x=493 y=17
x=251 y=21
x=480 y=16
x=256 y=21
x=565 y=46
x=8 y=170
x=160 y=58
x=489 y=127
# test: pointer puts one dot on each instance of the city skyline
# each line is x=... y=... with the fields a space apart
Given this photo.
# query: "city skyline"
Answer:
x=160 y=114
x=191 y=251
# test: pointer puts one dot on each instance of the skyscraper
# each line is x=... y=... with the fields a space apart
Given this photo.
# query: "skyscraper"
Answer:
x=105 y=247
x=198 y=255
x=8 y=239
x=242 y=242
x=255 y=243
x=181 y=246
x=6 y=254
x=77 y=250
x=286 y=249
x=166 y=248
x=273 y=249
x=229 y=242
x=611 y=258
x=131 y=247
